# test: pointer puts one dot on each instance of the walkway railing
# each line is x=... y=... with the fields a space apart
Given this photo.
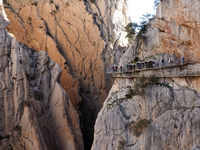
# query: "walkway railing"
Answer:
x=143 y=67
x=153 y=71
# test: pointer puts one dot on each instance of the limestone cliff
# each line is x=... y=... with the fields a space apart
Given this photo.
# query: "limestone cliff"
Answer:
x=82 y=37
x=166 y=114
x=36 y=112
x=175 y=30
x=171 y=108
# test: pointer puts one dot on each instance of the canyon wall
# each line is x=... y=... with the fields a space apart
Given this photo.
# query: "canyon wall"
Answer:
x=36 y=112
x=83 y=37
x=175 y=30
x=165 y=116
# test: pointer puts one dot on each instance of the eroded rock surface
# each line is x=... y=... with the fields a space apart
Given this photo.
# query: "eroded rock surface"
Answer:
x=171 y=108
x=166 y=115
x=74 y=33
x=175 y=31
x=36 y=112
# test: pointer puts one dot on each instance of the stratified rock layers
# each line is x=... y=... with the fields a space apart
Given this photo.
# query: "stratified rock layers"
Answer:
x=36 y=112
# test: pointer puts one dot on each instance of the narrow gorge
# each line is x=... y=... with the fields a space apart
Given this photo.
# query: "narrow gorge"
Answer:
x=58 y=90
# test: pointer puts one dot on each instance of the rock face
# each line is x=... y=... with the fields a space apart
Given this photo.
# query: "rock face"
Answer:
x=171 y=107
x=111 y=17
x=175 y=30
x=165 y=116
x=36 y=112
x=74 y=33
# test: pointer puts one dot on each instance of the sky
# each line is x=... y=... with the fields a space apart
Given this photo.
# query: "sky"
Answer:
x=139 y=7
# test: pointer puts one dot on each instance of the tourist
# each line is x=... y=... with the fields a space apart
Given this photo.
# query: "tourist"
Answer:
x=121 y=68
x=133 y=66
x=140 y=65
x=151 y=63
x=116 y=68
x=143 y=65
x=157 y=63
x=169 y=61
x=183 y=58
x=163 y=62
x=147 y=63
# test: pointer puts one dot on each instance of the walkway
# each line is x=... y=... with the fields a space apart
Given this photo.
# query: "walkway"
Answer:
x=180 y=70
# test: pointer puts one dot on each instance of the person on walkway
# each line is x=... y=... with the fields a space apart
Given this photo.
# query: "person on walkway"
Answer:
x=133 y=66
x=146 y=64
x=121 y=68
x=172 y=60
x=151 y=63
x=157 y=63
x=137 y=65
x=116 y=68
x=143 y=65
x=169 y=61
x=183 y=59
x=112 y=68
x=163 y=62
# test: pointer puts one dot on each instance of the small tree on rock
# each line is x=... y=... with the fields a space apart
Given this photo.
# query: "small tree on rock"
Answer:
x=130 y=32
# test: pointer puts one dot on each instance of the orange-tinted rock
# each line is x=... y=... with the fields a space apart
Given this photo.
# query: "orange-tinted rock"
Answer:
x=36 y=112
x=174 y=30
x=71 y=32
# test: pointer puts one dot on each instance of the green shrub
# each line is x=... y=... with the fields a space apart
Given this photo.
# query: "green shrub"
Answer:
x=130 y=32
x=128 y=96
x=136 y=59
x=153 y=80
x=140 y=126
x=121 y=145
x=111 y=40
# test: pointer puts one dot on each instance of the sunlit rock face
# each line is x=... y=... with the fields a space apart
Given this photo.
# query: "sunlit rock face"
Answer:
x=174 y=30
x=36 y=112
x=172 y=106
x=111 y=17
x=82 y=37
